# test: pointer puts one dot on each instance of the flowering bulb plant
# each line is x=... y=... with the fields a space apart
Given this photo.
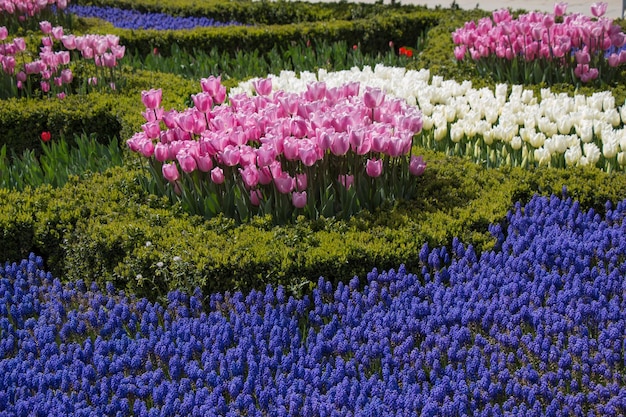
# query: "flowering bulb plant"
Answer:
x=544 y=47
x=48 y=73
x=323 y=152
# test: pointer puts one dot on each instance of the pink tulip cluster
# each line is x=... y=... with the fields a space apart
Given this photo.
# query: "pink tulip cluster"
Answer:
x=29 y=8
x=569 y=41
x=278 y=142
x=52 y=66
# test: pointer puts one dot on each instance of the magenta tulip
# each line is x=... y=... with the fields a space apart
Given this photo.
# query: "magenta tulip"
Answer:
x=211 y=85
x=170 y=172
x=298 y=199
x=374 y=167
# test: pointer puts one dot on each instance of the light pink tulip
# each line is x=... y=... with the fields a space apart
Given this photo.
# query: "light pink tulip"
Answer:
x=291 y=148
x=170 y=172
x=308 y=152
x=560 y=8
x=152 y=129
x=211 y=85
x=266 y=154
x=301 y=181
x=69 y=42
x=57 y=32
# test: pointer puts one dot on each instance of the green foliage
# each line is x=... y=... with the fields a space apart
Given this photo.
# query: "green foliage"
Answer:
x=58 y=162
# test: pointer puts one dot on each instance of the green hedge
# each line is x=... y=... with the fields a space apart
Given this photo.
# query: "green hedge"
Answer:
x=372 y=34
x=257 y=12
x=108 y=114
x=106 y=228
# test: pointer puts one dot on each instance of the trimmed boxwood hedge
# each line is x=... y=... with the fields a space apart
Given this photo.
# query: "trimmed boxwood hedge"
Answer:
x=107 y=228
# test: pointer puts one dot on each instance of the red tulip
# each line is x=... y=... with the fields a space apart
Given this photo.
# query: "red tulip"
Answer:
x=46 y=136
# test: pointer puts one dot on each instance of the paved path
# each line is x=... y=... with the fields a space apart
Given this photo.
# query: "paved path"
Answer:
x=614 y=9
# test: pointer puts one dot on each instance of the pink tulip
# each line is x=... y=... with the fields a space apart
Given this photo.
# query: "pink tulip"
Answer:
x=247 y=155
x=263 y=86
x=69 y=42
x=4 y=33
x=151 y=98
x=45 y=26
x=20 y=44
x=373 y=97
x=250 y=176
x=315 y=91
x=187 y=161
x=265 y=175
x=340 y=144
x=230 y=155
x=298 y=127
x=186 y=121
x=109 y=60
x=284 y=183
x=346 y=180
x=170 y=172
x=374 y=167
x=417 y=166
x=57 y=32
x=61 y=95
x=217 y=175
x=161 y=152
x=202 y=101
x=459 y=52
x=266 y=154
x=599 y=9
x=298 y=199
x=45 y=86
x=211 y=85
x=308 y=152
x=301 y=181
x=152 y=129
x=256 y=197
x=291 y=148
x=204 y=162
x=560 y=8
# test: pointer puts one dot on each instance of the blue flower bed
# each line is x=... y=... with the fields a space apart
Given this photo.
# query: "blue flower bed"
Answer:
x=132 y=19
x=533 y=328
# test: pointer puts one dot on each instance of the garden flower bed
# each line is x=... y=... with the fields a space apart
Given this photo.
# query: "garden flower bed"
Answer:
x=259 y=178
x=532 y=328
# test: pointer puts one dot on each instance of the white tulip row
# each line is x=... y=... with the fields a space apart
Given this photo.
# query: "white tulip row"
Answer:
x=492 y=125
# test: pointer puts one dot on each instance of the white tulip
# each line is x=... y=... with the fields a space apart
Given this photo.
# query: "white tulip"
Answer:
x=542 y=156
x=584 y=130
x=621 y=158
x=456 y=132
x=440 y=132
x=564 y=125
x=488 y=137
x=573 y=155
x=516 y=143
x=450 y=114
x=537 y=140
x=427 y=122
x=622 y=113
x=609 y=148
x=527 y=97
x=592 y=152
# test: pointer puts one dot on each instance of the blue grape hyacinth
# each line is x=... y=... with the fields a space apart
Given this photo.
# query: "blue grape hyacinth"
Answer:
x=133 y=19
x=534 y=327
